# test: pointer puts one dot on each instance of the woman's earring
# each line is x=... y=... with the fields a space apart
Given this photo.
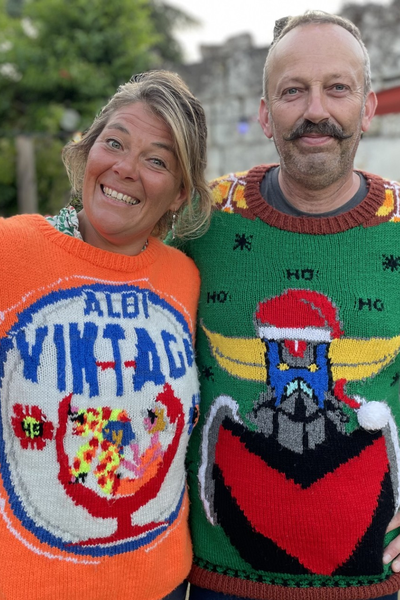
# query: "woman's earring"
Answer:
x=173 y=225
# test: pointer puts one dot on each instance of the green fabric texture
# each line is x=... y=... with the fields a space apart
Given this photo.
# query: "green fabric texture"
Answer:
x=245 y=261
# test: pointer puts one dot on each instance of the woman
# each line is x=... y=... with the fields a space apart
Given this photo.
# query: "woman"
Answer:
x=98 y=384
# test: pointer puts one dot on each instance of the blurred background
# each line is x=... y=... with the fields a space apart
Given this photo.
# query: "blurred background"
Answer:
x=61 y=60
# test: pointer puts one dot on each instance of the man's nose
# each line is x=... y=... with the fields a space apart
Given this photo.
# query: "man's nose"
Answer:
x=316 y=110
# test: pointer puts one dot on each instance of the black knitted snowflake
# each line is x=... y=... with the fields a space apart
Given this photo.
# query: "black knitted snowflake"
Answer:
x=391 y=263
x=243 y=242
x=208 y=373
x=395 y=379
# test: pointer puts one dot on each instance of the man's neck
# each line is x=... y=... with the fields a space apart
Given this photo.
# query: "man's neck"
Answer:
x=319 y=201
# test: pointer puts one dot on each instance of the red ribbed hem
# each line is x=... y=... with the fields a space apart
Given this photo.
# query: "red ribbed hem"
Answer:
x=259 y=591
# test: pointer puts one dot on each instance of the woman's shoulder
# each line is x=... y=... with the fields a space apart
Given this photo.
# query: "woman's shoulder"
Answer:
x=177 y=256
x=19 y=225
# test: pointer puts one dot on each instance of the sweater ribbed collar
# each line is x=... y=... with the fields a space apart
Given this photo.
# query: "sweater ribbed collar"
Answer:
x=96 y=256
x=364 y=213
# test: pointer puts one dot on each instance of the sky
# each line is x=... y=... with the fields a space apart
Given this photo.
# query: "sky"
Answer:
x=222 y=19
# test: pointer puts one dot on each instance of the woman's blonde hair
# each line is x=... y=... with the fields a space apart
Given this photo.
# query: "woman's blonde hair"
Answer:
x=167 y=96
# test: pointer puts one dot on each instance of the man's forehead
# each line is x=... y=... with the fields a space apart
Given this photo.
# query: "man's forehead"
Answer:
x=314 y=37
x=325 y=47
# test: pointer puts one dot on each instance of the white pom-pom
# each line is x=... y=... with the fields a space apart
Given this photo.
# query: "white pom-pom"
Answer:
x=373 y=415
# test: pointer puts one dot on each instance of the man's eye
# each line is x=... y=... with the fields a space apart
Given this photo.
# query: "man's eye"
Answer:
x=291 y=91
x=339 y=87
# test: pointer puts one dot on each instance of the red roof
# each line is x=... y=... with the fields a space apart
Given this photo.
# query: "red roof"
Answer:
x=388 y=101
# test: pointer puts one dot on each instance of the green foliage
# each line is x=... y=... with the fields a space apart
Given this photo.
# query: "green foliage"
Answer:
x=70 y=55
x=14 y=7
x=166 y=20
x=8 y=189
x=52 y=180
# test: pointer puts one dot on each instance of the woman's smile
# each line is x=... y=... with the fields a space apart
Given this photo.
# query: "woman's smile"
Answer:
x=110 y=193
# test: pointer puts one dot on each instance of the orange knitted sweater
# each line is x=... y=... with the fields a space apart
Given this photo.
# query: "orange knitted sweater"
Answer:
x=98 y=397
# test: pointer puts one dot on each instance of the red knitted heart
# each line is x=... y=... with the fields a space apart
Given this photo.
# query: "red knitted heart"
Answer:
x=320 y=525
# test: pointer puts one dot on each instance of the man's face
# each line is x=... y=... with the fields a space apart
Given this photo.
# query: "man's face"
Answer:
x=316 y=108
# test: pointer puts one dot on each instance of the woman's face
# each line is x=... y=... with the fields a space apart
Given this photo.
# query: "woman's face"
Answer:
x=132 y=179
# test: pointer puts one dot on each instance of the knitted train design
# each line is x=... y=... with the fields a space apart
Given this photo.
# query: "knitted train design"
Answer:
x=285 y=480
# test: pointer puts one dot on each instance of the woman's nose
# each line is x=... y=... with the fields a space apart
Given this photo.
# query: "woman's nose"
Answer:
x=126 y=167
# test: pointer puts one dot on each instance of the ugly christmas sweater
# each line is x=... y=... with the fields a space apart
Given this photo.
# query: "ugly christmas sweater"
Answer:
x=293 y=469
x=98 y=397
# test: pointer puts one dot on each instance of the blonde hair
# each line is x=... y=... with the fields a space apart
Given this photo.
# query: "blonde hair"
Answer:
x=167 y=96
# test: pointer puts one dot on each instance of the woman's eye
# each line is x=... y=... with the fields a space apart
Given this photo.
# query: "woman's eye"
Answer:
x=158 y=162
x=113 y=144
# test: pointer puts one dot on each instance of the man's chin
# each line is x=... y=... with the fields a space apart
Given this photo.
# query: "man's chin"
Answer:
x=316 y=174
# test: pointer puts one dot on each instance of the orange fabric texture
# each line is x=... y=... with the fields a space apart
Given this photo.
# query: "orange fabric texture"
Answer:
x=99 y=395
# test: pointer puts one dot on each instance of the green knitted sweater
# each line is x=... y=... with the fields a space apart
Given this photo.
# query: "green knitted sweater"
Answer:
x=293 y=467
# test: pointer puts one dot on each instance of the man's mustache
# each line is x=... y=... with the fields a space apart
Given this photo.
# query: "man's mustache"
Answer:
x=323 y=128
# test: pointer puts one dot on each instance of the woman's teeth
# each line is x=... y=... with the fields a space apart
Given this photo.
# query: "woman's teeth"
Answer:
x=118 y=196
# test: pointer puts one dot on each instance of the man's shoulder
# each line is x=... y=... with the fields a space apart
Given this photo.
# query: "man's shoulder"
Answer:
x=385 y=194
x=386 y=181
x=232 y=176
x=230 y=191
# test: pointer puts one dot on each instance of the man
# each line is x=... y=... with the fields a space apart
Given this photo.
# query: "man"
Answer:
x=293 y=468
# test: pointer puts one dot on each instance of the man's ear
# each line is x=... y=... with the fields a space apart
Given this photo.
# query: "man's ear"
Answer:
x=264 y=119
x=369 y=110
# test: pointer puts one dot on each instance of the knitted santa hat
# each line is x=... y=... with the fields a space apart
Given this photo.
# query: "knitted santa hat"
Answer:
x=298 y=315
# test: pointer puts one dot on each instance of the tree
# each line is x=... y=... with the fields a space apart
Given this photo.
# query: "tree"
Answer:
x=60 y=62
x=166 y=20
x=70 y=55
